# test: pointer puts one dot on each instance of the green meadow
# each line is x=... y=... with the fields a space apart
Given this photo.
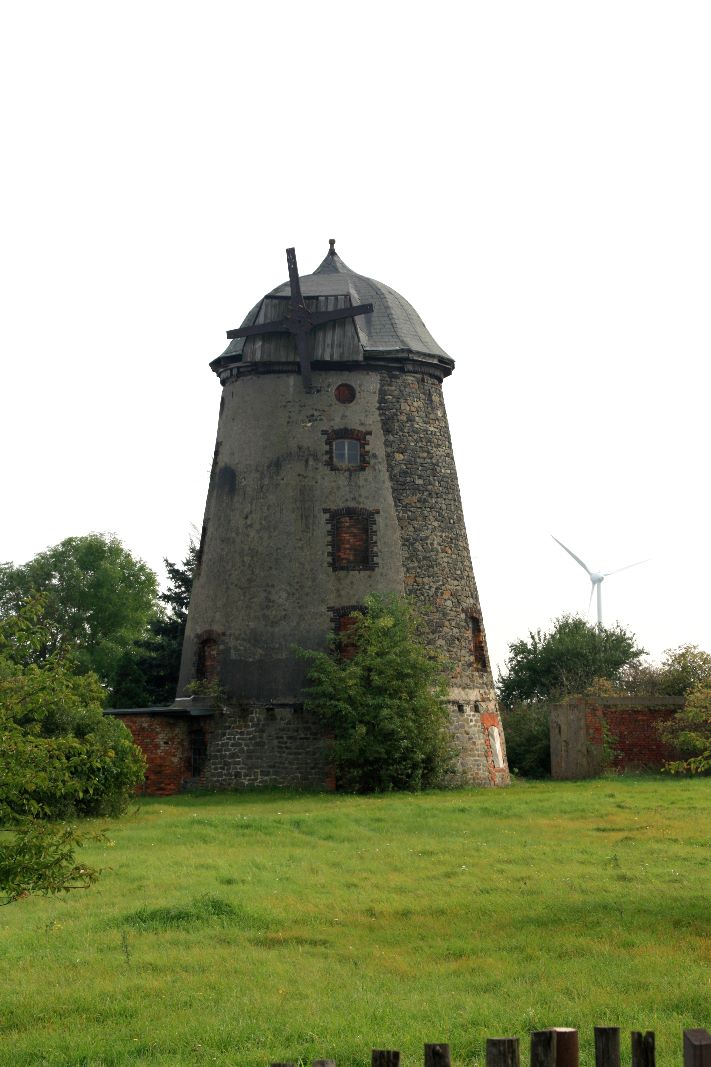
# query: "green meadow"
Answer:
x=250 y=928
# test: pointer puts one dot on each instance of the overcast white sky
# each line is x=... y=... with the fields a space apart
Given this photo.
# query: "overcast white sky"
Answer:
x=535 y=178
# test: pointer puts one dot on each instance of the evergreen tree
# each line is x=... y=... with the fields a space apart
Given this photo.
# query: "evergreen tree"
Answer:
x=148 y=673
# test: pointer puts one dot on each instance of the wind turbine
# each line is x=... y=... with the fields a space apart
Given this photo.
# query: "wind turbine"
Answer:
x=595 y=578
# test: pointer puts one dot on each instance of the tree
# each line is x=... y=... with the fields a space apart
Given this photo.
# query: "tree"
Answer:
x=60 y=758
x=384 y=701
x=148 y=671
x=98 y=600
x=568 y=659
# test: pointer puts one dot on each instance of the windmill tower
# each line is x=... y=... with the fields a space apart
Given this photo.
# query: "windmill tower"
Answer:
x=333 y=477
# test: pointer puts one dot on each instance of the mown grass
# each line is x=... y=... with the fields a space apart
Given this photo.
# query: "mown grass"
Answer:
x=245 y=929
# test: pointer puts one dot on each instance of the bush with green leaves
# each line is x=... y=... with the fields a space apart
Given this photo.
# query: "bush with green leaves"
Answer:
x=60 y=757
x=385 y=703
x=689 y=733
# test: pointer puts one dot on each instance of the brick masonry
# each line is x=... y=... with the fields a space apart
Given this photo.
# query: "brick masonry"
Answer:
x=623 y=734
x=165 y=741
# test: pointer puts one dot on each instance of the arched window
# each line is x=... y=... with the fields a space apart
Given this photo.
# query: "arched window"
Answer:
x=344 y=620
x=206 y=663
x=478 y=646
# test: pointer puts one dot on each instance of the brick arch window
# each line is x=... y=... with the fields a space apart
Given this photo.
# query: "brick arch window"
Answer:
x=347 y=449
x=351 y=538
x=207 y=657
x=478 y=644
x=343 y=619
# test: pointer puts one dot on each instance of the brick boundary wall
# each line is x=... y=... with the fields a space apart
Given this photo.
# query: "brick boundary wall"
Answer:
x=585 y=733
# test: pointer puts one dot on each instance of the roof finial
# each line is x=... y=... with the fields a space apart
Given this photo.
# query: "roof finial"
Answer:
x=332 y=243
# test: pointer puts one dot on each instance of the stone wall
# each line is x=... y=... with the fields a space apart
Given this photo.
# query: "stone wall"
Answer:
x=425 y=489
x=277 y=746
x=620 y=734
x=479 y=743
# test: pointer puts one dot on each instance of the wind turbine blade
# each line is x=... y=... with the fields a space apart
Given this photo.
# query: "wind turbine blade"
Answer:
x=637 y=564
x=572 y=554
x=592 y=590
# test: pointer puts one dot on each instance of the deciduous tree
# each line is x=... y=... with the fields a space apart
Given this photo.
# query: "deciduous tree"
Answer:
x=98 y=600
x=567 y=659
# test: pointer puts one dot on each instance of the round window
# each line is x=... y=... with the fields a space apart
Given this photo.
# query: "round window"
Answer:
x=345 y=394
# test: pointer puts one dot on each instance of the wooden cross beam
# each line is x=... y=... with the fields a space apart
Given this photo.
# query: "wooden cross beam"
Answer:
x=299 y=321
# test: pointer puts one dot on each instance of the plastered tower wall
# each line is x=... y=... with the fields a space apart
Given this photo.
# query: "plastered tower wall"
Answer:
x=284 y=523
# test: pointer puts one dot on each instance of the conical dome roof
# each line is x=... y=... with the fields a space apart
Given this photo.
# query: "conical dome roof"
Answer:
x=392 y=329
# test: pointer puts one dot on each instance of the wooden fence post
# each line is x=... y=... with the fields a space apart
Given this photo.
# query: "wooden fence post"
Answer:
x=543 y=1048
x=567 y=1046
x=324 y=1063
x=437 y=1056
x=643 y=1054
x=502 y=1052
x=385 y=1057
x=697 y=1048
x=607 y=1046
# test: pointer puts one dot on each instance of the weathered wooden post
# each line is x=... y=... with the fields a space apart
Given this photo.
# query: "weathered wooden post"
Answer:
x=437 y=1056
x=324 y=1063
x=385 y=1057
x=697 y=1048
x=607 y=1046
x=567 y=1046
x=502 y=1052
x=543 y=1048
x=643 y=1054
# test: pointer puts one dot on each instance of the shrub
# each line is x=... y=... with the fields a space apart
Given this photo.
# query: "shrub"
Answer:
x=689 y=732
x=385 y=702
x=59 y=757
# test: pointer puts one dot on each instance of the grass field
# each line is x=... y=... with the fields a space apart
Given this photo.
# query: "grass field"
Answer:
x=241 y=929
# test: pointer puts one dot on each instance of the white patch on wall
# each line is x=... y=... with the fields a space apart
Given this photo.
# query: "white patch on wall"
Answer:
x=496 y=750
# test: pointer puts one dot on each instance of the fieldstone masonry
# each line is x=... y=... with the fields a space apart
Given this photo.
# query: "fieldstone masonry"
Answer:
x=300 y=527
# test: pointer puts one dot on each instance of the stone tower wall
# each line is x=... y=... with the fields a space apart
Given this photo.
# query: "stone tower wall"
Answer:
x=270 y=577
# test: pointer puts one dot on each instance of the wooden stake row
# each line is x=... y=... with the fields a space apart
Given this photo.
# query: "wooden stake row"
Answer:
x=556 y=1047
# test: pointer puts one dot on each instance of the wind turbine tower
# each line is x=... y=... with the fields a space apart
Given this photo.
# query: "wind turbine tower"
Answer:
x=596 y=578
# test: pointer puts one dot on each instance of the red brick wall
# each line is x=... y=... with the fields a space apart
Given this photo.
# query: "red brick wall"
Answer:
x=165 y=743
x=633 y=733
x=350 y=541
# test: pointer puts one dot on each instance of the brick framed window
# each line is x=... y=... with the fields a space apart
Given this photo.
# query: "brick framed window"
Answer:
x=347 y=449
x=342 y=621
x=351 y=538
x=478 y=644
